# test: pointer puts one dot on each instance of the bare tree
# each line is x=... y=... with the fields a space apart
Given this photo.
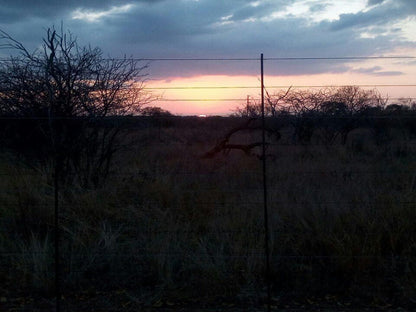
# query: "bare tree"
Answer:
x=349 y=105
x=356 y=99
x=252 y=109
x=274 y=103
x=333 y=112
x=64 y=99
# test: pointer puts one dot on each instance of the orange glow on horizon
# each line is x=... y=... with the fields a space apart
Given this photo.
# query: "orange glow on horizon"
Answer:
x=221 y=95
x=203 y=95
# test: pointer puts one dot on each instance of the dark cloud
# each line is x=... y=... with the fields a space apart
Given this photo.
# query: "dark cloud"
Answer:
x=191 y=29
x=249 y=11
x=318 y=7
x=290 y=41
x=213 y=28
x=377 y=71
x=409 y=6
x=374 y=2
x=373 y=17
x=21 y=9
x=386 y=12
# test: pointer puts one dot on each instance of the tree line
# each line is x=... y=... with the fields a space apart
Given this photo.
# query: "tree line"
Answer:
x=334 y=112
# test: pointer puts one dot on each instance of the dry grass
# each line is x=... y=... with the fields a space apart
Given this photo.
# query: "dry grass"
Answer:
x=167 y=222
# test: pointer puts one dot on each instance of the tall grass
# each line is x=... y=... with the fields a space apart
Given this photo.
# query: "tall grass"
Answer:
x=342 y=220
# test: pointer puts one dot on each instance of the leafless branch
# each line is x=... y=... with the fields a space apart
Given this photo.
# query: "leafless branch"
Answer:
x=224 y=145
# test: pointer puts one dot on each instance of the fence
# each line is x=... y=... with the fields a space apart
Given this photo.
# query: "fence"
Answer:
x=311 y=224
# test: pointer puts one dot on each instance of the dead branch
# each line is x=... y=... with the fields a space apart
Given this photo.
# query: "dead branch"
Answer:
x=225 y=147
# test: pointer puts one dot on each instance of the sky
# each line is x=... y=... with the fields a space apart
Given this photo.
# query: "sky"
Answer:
x=234 y=29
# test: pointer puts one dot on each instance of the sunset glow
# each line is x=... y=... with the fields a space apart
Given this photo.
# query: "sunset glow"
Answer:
x=180 y=41
x=220 y=95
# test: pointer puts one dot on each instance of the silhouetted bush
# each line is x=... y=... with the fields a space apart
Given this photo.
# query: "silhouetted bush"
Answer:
x=55 y=102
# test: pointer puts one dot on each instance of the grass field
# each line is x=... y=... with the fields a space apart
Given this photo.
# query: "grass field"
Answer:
x=169 y=226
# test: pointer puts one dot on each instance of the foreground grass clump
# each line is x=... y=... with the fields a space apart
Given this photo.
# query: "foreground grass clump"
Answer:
x=171 y=224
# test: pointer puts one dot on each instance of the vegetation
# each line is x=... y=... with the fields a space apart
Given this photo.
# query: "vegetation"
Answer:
x=169 y=226
x=54 y=101
x=334 y=112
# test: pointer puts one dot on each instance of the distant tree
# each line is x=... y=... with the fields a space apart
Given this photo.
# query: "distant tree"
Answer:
x=252 y=109
x=154 y=111
x=397 y=108
x=333 y=108
x=333 y=111
x=62 y=100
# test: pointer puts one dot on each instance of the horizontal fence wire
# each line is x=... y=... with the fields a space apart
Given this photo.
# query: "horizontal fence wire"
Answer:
x=331 y=172
x=259 y=254
x=121 y=225
x=254 y=202
x=301 y=58
x=179 y=118
x=275 y=87
x=232 y=100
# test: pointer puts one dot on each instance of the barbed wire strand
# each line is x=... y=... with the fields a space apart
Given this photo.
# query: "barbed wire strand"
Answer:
x=301 y=58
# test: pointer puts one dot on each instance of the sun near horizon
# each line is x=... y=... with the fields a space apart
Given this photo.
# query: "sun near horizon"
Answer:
x=221 y=94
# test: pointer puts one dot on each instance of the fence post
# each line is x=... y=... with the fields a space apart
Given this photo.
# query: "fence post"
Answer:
x=57 y=233
x=57 y=256
x=266 y=216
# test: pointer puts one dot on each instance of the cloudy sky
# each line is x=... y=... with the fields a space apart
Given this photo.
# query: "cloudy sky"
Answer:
x=234 y=29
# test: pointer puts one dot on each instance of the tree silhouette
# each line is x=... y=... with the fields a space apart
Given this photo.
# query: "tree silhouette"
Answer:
x=62 y=99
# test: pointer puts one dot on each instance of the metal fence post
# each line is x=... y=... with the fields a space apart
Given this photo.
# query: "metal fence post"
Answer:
x=58 y=291
x=266 y=216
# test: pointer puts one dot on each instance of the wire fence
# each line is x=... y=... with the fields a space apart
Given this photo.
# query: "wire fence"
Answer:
x=170 y=229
